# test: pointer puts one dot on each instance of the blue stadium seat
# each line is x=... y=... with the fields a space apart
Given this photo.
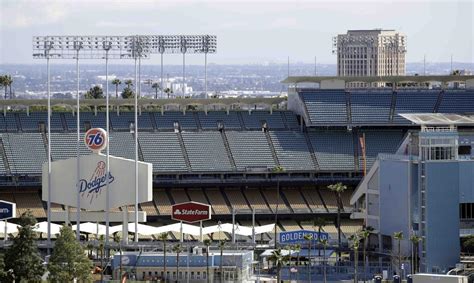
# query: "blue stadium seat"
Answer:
x=326 y=107
x=334 y=150
x=414 y=102
x=166 y=121
x=292 y=150
x=457 y=101
x=209 y=121
x=369 y=107
x=250 y=149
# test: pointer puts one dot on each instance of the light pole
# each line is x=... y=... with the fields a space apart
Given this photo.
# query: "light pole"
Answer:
x=78 y=47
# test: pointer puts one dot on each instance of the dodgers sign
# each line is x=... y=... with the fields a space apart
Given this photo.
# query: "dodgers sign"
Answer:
x=7 y=210
x=297 y=237
x=92 y=185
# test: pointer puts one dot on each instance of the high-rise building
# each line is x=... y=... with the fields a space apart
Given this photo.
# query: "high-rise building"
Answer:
x=374 y=52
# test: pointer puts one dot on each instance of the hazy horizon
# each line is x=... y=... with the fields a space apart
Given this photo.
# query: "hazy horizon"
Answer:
x=248 y=32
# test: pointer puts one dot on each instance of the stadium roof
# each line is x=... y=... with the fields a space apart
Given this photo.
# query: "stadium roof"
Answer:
x=365 y=79
x=148 y=102
x=439 y=119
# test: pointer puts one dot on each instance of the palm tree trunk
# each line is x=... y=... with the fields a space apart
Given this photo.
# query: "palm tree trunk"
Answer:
x=399 y=257
x=116 y=91
x=309 y=261
x=356 y=263
x=207 y=264
x=278 y=272
x=177 y=267
x=324 y=264
x=339 y=242
x=364 y=258
x=164 y=260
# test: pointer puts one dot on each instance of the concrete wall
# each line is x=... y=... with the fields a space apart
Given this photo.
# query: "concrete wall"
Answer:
x=466 y=181
x=442 y=215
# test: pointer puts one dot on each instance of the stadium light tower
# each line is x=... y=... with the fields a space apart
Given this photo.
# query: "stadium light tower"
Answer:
x=78 y=47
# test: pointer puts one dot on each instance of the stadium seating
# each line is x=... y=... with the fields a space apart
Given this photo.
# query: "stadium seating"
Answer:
x=457 y=101
x=162 y=202
x=255 y=120
x=383 y=141
x=179 y=195
x=163 y=150
x=217 y=201
x=122 y=121
x=329 y=199
x=296 y=201
x=10 y=122
x=371 y=107
x=25 y=152
x=326 y=107
x=292 y=150
x=259 y=157
x=291 y=120
x=414 y=102
x=237 y=200
x=29 y=201
x=64 y=146
x=256 y=200
x=167 y=120
x=31 y=122
x=334 y=150
x=275 y=201
x=206 y=151
x=210 y=120
x=313 y=199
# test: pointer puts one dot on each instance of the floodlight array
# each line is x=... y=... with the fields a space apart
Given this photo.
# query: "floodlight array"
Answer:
x=120 y=47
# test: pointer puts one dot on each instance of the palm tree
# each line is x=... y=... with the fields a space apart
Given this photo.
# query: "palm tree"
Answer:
x=278 y=260
x=309 y=238
x=157 y=87
x=415 y=240
x=8 y=83
x=338 y=188
x=364 y=235
x=2 y=84
x=164 y=237
x=319 y=224
x=399 y=237
x=177 y=249
x=168 y=91
x=207 y=243
x=117 y=240
x=101 y=248
x=325 y=244
x=221 y=248
x=129 y=83
x=116 y=82
x=355 y=245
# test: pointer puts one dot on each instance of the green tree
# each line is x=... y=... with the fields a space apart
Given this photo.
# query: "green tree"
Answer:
x=415 y=240
x=23 y=257
x=207 y=243
x=116 y=82
x=297 y=248
x=278 y=260
x=3 y=273
x=309 y=238
x=338 y=188
x=68 y=260
x=355 y=246
x=127 y=93
x=177 y=249
x=94 y=92
x=2 y=84
x=399 y=237
x=6 y=81
x=325 y=244
x=156 y=87
x=164 y=237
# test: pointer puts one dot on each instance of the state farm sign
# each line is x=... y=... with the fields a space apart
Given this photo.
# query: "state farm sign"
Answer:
x=191 y=212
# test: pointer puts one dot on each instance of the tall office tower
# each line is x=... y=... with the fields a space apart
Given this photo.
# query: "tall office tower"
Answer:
x=370 y=53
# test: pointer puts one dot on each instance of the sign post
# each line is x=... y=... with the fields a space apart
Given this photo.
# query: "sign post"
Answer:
x=7 y=211
x=191 y=212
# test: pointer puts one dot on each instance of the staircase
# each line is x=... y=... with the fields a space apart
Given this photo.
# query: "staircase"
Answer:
x=198 y=122
x=348 y=108
x=311 y=150
x=229 y=152
x=272 y=148
x=438 y=102
x=4 y=158
x=355 y=139
x=241 y=120
x=185 y=152
x=392 y=106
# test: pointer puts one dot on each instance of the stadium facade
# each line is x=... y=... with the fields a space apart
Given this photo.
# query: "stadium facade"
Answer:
x=243 y=155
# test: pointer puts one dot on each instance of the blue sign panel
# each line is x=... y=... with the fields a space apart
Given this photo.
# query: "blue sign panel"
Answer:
x=297 y=237
x=7 y=210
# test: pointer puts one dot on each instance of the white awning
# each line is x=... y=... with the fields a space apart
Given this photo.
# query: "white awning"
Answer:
x=92 y=228
x=42 y=227
x=11 y=228
x=438 y=119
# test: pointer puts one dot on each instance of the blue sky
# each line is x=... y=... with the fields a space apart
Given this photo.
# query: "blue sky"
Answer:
x=247 y=31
